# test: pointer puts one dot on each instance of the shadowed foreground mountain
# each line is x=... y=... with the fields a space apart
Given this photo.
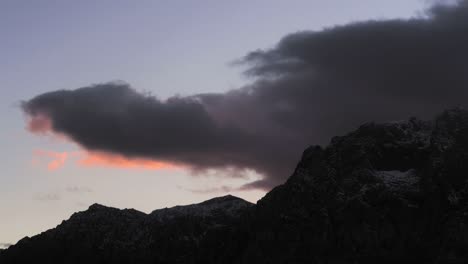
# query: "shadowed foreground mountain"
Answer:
x=385 y=193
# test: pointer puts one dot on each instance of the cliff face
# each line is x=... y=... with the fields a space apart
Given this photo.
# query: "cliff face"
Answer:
x=385 y=193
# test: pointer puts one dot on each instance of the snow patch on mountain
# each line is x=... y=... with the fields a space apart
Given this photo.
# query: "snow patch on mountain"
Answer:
x=399 y=180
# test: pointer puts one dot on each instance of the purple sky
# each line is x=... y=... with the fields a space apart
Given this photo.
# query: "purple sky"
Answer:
x=161 y=47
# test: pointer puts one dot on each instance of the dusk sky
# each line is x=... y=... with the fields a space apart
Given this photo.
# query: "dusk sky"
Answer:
x=217 y=56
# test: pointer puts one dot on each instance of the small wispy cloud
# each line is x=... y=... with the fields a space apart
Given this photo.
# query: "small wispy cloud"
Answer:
x=55 y=160
x=68 y=192
x=79 y=189
x=47 y=197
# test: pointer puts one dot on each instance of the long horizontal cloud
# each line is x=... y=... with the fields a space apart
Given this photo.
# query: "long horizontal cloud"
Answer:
x=84 y=158
x=310 y=86
x=47 y=197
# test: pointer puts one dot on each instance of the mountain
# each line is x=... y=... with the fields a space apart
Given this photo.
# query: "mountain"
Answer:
x=108 y=235
x=385 y=193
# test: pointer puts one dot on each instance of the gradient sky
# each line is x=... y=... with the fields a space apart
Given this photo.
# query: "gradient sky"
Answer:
x=160 y=47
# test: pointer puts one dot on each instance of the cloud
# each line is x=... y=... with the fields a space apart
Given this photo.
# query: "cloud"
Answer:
x=103 y=159
x=310 y=86
x=115 y=119
x=56 y=159
x=47 y=197
x=84 y=158
x=79 y=189
x=64 y=193
x=40 y=124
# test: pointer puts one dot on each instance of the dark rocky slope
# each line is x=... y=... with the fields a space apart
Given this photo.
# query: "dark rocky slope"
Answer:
x=385 y=193
x=108 y=235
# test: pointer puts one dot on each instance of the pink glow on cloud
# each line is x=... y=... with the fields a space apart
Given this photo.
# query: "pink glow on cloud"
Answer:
x=104 y=159
x=56 y=160
x=89 y=159
x=39 y=124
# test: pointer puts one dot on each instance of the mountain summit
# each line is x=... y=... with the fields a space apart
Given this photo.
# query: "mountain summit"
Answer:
x=385 y=193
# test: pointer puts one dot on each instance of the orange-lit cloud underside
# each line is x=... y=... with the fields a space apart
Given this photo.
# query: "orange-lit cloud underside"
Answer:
x=39 y=124
x=56 y=160
x=101 y=159
x=42 y=125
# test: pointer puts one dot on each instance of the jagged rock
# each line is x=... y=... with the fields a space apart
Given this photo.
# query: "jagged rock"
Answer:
x=386 y=193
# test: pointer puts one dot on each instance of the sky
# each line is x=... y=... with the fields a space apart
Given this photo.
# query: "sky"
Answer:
x=169 y=102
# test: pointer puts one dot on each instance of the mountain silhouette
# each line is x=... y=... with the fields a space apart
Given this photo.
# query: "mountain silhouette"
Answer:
x=385 y=193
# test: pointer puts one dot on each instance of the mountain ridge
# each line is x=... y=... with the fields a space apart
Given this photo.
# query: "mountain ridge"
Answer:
x=393 y=192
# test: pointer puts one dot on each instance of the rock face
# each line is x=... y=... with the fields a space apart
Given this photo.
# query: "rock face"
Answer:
x=385 y=193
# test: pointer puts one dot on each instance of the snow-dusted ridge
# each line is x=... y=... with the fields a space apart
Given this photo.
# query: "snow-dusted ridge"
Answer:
x=227 y=205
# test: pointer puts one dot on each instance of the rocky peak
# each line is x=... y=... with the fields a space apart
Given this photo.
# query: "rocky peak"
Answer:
x=396 y=189
x=98 y=207
x=221 y=206
x=221 y=199
x=97 y=212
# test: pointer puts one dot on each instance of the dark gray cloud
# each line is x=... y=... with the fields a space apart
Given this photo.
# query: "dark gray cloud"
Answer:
x=310 y=86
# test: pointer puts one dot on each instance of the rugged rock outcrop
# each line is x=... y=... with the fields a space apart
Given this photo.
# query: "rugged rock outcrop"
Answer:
x=385 y=193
